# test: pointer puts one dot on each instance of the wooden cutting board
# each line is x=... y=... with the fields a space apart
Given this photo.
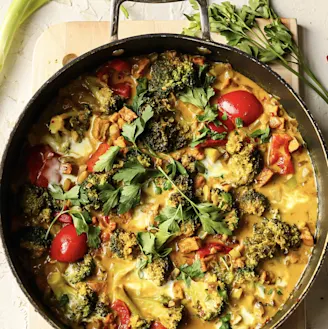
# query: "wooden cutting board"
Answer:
x=65 y=41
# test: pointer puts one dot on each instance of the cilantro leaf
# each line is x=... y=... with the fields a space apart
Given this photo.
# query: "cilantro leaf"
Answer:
x=130 y=197
x=188 y=272
x=106 y=161
x=130 y=172
x=110 y=197
x=131 y=131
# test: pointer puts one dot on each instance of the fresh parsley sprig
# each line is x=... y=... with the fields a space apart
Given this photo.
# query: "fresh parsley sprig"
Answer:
x=208 y=214
x=206 y=133
x=240 y=28
x=189 y=272
x=106 y=161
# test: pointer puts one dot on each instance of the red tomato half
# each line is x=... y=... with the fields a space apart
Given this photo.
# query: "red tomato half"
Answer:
x=123 y=313
x=102 y=148
x=240 y=104
x=207 y=250
x=67 y=246
x=157 y=325
x=279 y=154
x=43 y=166
x=123 y=89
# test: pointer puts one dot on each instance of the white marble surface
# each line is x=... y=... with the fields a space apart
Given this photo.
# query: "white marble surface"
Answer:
x=15 y=90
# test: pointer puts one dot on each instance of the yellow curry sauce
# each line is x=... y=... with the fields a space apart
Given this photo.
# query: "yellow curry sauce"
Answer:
x=212 y=237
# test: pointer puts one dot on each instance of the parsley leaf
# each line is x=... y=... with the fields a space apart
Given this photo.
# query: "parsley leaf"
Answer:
x=80 y=223
x=210 y=114
x=110 y=197
x=206 y=133
x=93 y=237
x=189 y=272
x=210 y=218
x=131 y=171
x=197 y=96
x=141 y=90
x=58 y=194
x=130 y=197
x=151 y=246
x=106 y=161
x=224 y=116
x=264 y=134
x=131 y=131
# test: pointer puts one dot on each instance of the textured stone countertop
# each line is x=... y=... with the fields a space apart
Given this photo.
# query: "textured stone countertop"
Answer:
x=15 y=90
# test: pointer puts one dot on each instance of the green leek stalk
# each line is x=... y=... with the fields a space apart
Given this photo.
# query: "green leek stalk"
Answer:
x=18 y=12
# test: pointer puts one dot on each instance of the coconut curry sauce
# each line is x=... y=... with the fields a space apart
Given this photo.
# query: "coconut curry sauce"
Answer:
x=165 y=191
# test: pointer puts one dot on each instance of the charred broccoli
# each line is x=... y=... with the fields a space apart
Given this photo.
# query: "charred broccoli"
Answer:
x=100 y=313
x=33 y=239
x=36 y=203
x=144 y=159
x=78 y=302
x=171 y=73
x=165 y=135
x=208 y=298
x=77 y=272
x=124 y=244
x=269 y=236
x=80 y=123
x=156 y=271
x=245 y=165
x=253 y=203
x=108 y=102
x=185 y=185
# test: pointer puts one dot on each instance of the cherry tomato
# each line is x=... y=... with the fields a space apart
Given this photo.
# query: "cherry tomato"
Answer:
x=67 y=246
x=157 y=325
x=64 y=218
x=123 y=313
x=279 y=154
x=43 y=166
x=205 y=251
x=212 y=143
x=123 y=89
x=102 y=148
x=227 y=125
x=116 y=65
x=240 y=104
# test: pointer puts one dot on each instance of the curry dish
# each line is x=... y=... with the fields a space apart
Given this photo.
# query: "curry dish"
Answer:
x=165 y=191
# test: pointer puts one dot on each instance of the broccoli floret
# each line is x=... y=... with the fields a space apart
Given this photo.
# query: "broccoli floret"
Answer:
x=77 y=272
x=208 y=297
x=36 y=203
x=232 y=219
x=253 y=203
x=143 y=159
x=245 y=165
x=236 y=141
x=165 y=135
x=124 y=244
x=33 y=239
x=245 y=274
x=185 y=185
x=77 y=303
x=107 y=101
x=80 y=123
x=136 y=322
x=100 y=313
x=159 y=104
x=171 y=73
x=223 y=200
x=156 y=271
x=269 y=236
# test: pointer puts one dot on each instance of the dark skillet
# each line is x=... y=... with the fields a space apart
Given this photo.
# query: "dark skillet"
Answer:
x=250 y=67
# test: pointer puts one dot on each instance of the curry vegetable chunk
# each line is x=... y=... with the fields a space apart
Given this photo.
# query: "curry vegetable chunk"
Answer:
x=156 y=197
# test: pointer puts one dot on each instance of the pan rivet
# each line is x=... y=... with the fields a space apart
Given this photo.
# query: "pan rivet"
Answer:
x=68 y=58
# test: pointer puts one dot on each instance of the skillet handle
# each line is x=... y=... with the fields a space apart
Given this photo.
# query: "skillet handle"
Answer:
x=115 y=13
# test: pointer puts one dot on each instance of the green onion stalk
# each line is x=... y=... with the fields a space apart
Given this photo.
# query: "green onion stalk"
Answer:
x=18 y=12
